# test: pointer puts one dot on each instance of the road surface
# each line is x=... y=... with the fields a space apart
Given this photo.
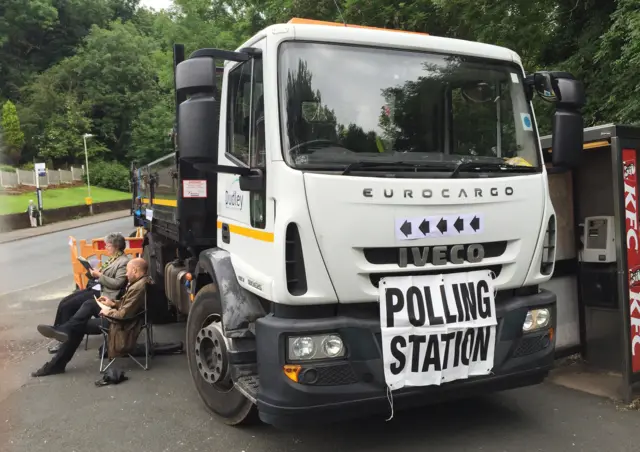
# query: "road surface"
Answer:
x=46 y=258
x=159 y=410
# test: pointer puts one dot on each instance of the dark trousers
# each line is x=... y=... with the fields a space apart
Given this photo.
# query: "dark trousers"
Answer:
x=78 y=321
x=70 y=304
x=80 y=324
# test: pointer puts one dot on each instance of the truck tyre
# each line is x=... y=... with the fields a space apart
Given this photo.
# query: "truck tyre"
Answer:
x=209 y=363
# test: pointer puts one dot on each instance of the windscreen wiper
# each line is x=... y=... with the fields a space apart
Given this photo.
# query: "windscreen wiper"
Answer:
x=491 y=166
x=391 y=166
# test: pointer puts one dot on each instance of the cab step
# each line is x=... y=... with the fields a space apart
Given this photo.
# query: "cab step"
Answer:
x=249 y=386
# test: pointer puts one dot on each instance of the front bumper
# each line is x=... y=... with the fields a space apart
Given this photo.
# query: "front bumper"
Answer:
x=355 y=386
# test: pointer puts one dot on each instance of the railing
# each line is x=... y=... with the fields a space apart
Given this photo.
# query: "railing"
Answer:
x=52 y=177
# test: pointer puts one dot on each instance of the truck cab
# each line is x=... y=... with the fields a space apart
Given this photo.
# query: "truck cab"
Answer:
x=362 y=216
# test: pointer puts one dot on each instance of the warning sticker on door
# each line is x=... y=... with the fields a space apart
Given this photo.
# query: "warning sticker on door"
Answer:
x=194 y=188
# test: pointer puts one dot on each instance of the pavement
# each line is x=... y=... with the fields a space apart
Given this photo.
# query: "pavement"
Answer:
x=21 y=234
x=159 y=410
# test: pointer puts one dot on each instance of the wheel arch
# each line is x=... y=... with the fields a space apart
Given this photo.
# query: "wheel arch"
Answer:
x=240 y=308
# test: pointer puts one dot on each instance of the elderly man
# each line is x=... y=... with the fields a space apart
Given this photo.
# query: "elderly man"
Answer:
x=71 y=332
x=108 y=281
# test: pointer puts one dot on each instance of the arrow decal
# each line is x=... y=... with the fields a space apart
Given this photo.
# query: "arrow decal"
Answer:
x=459 y=224
x=442 y=225
x=475 y=223
x=406 y=228
x=427 y=226
x=424 y=227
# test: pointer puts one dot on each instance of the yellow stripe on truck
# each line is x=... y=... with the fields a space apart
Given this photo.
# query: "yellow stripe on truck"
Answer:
x=249 y=232
x=233 y=228
x=161 y=202
x=591 y=145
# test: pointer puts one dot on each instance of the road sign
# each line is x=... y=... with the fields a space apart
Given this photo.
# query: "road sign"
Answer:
x=40 y=169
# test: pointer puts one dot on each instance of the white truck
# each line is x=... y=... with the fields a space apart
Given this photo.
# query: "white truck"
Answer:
x=357 y=220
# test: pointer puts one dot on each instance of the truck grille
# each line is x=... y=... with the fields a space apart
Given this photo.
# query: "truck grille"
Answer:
x=376 y=277
x=382 y=256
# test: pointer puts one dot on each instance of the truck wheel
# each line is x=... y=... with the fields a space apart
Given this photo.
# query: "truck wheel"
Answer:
x=209 y=363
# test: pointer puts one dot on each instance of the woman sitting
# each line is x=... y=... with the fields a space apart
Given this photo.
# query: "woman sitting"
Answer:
x=108 y=282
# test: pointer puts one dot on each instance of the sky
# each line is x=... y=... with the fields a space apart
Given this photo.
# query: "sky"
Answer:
x=156 y=4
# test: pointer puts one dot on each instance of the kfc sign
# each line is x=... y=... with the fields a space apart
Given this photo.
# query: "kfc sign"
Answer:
x=633 y=253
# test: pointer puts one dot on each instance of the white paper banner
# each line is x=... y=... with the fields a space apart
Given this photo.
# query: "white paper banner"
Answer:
x=437 y=328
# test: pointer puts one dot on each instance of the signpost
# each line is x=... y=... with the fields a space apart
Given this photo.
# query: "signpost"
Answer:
x=88 y=199
x=39 y=170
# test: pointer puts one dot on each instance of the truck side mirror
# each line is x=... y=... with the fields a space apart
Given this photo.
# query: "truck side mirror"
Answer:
x=254 y=181
x=567 y=94
x=198 y=116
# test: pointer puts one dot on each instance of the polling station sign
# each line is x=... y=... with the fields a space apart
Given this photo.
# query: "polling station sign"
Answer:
x=437 y=328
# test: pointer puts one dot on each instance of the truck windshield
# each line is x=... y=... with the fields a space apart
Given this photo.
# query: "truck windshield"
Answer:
x=343 y=105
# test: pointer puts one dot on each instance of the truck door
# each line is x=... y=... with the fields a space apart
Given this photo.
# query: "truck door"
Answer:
x=245 y=219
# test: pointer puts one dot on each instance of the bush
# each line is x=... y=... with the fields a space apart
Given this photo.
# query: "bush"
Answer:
x=109 y=175
x=7 y=168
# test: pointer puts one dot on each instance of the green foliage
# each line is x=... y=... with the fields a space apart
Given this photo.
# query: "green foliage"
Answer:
x=12 y=135
x=36 y=34
x=150 y=137
x=105 y=66
x=111 y=175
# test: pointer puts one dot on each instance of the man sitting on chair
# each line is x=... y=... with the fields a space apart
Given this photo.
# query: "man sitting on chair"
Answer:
x=71 y=332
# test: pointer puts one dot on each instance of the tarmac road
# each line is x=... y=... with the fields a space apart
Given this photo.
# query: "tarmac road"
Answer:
x=35 y=274
x=45 y=258
x=159 y=410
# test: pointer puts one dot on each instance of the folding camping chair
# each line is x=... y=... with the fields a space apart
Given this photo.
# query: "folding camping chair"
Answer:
x=86 y=337
x=147 y=327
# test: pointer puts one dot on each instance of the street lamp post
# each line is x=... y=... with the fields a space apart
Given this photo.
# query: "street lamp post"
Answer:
x=86 y=159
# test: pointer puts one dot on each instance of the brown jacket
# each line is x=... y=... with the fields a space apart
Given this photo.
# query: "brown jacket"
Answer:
x=123 y=334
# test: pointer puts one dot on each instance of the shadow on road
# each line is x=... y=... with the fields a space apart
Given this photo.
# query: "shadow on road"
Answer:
x=435 y=424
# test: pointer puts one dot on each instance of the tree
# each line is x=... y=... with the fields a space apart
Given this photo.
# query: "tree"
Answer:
x=12 y=135
x=150 y=137
x=61 y=140
x=37 y=34
x=109 y=82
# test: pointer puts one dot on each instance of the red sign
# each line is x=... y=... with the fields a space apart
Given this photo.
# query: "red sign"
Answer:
x=629 y=162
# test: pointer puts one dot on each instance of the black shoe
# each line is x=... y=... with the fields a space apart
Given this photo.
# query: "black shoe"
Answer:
x=47 y=369
x=54 y=348
x=52 y=333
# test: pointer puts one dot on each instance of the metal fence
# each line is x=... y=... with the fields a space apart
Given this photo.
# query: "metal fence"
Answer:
x=52 y=177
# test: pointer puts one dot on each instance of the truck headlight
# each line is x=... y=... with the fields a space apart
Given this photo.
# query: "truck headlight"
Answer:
x=321 y=346
x=332 y=346
x=536 y=319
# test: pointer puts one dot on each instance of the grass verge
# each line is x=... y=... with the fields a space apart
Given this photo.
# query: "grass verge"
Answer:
x=59 y=197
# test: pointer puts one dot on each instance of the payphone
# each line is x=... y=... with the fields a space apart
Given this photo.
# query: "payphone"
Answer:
x=598 y=262
x=605 y=268
x=599 y=239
